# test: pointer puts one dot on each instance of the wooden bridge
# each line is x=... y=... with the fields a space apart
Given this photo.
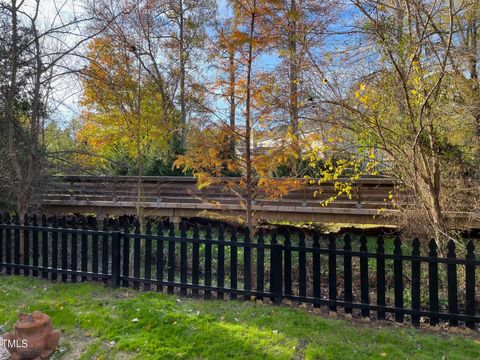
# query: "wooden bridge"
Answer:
x=178 y=197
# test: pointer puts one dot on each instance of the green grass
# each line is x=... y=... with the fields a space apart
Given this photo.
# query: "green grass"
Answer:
x=173 y=328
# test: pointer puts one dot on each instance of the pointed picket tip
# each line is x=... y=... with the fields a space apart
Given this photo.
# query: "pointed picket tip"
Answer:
x=26 y=219
x=209 y=230
x=451 y=247
x=273 y=236
x=116 y=225
x=126 y=223
x=172 y=229
x=55 y=221
x=416 y=243
x=183 y=228
x=221 y=228
x=470 y=247
x=74 y=221
x=301 y=240
x=332 y=241
x=137 y=226
x=363 y=242
x=35 y=220
x=105 y=223
x=287 y=236
x=195 y=230
x=416 y=247
x=397 y=243
x=316 y=239
x=380 y=241
x=261 y=233
x=44 y=220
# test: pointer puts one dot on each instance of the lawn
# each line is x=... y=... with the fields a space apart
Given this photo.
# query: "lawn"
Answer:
x=102 y=323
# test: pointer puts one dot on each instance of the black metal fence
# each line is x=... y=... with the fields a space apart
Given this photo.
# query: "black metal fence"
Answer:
x=216 y=262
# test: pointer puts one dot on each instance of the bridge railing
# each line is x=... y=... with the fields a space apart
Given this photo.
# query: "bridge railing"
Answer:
x=367 y=192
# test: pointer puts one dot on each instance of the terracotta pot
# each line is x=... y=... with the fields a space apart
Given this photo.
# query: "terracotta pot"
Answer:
x=33 y=338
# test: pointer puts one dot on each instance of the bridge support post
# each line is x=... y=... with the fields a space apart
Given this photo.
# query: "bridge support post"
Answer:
x=176 y=220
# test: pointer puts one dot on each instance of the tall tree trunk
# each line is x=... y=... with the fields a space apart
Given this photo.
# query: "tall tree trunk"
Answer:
x=293 y=70
x=231 y=93
x=248 y=124
x=182 y=56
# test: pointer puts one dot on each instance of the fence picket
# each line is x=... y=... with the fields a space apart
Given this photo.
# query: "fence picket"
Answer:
x=126 y=252
x=233 y=263
x=260 y=263
x=317 y=286
x=35 y=245
x=44 y=246
x=347 y=272
x=433 y=281
x=64 y=247
x=221 y=261
x=8 y=245
x=74 y=249
x=148 y=255
x=398 y=280
x=26 y=245
x=105 y=247
x=416 y=282
x=332 y=271
x=470 y=285
x=54 y=246
x=136 y=254
x=452 y=283
x=159 y=257
x=287 y=272
x=364 y=292
x=208 y=264
x=247 y=265
x=195 y=259
x=302 y=266
x=95 y=251
x=16 y=254
x=171 y=257
x=84 y=248
x=380 y=277
x=115 y=254
x=183 y=258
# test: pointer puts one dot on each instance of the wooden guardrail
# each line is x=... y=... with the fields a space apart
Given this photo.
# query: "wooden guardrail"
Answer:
x=179 y=197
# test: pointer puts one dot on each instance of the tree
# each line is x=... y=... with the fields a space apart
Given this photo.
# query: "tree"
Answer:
x=110 y=118
x=210 y=151
x=405 y=101
x=34 y=57
x=167 y=37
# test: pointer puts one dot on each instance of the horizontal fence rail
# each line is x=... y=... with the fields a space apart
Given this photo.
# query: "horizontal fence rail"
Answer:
x=374 y=277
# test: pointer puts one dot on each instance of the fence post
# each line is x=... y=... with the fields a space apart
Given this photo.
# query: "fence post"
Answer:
x=115 y=255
